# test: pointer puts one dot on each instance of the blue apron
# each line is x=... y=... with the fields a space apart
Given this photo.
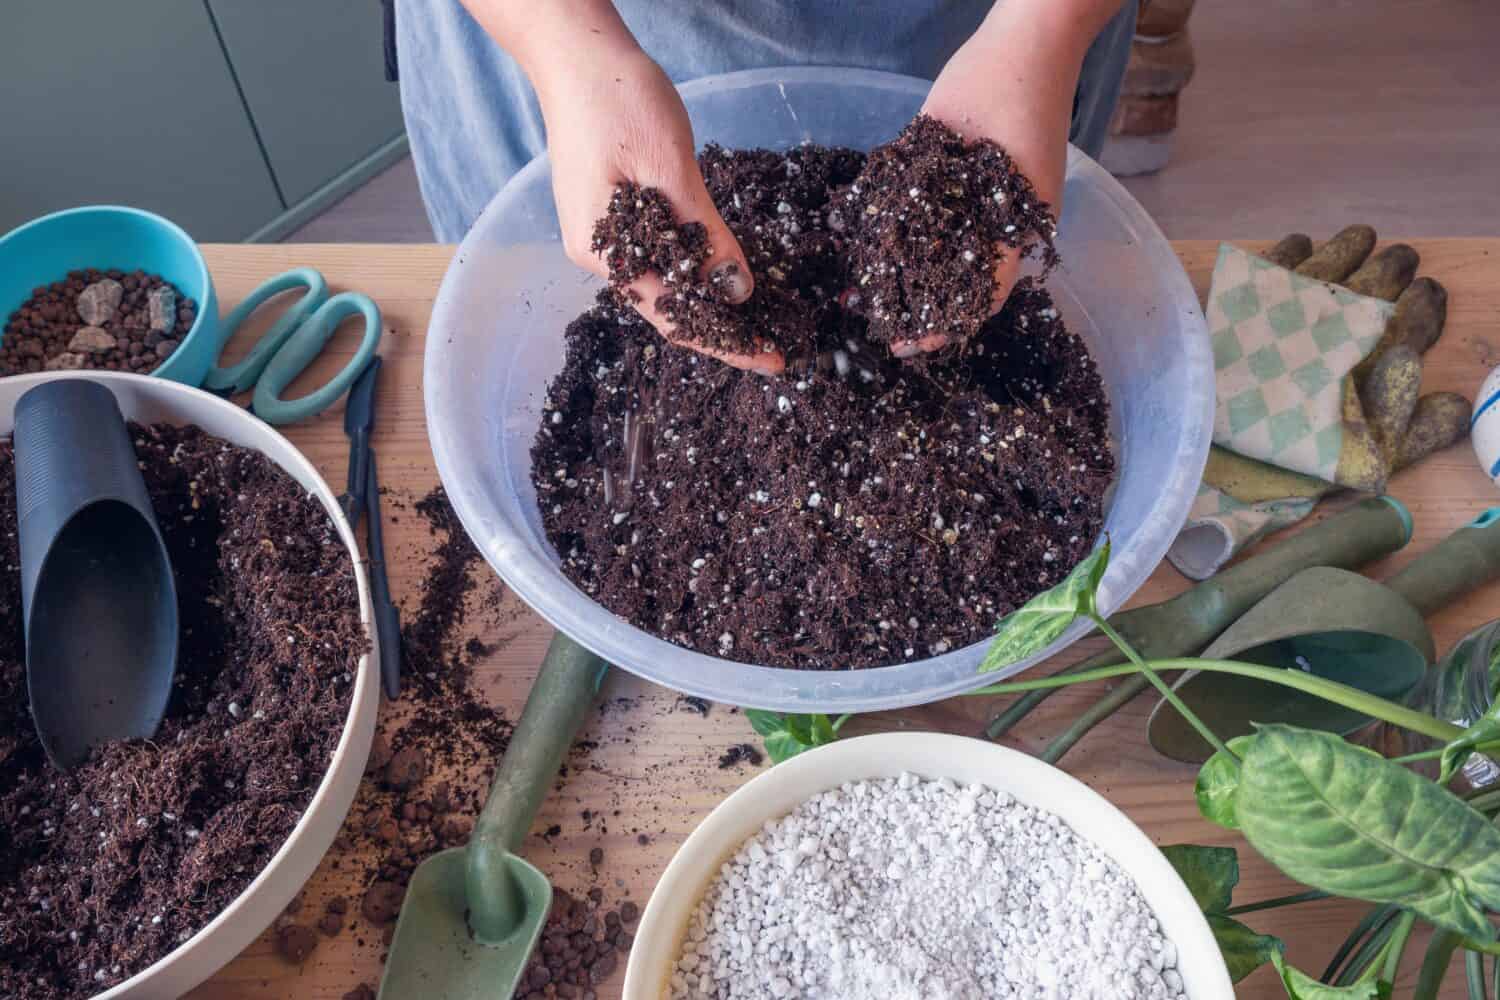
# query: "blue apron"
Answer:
x=473 y=119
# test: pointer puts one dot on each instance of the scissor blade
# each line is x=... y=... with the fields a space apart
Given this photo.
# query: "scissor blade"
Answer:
x=359 y=411
x=359 y=421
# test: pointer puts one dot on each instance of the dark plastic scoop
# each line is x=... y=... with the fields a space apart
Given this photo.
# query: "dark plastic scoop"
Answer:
x=97 y=593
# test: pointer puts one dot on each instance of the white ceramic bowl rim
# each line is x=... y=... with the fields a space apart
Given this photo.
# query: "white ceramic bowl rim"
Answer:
x=777 y=791
x=271 y=889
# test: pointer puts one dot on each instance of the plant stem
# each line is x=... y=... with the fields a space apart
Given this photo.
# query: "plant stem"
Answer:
x=1027 y=703
x=1270 y=904
x=1474 y=970
x=1413 y=758
x=1375 y=920
x=1370 y=951
x=1339 y=694
x=1397 y=945
x=1434 y=964
x=1162 y=686
x=1092 y=716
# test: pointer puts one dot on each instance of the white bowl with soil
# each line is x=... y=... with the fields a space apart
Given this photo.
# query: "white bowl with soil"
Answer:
x=774 y=794
x=495 y=344
x=205 y=949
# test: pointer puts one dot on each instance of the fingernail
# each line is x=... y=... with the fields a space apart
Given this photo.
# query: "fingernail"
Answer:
x=734 y=282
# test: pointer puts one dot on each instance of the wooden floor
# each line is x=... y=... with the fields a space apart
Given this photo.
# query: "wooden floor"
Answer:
x=1304 y=115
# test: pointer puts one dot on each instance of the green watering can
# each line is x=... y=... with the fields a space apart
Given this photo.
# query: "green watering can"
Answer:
x=1334 y=624
x=473 y=914
x=1188 y=622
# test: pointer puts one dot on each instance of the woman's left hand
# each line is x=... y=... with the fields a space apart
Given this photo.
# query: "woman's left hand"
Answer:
x=1013 y=83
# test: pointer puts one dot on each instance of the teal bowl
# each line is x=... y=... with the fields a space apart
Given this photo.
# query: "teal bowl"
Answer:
x=112 y=237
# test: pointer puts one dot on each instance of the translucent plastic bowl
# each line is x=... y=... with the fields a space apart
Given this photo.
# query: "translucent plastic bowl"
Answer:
x=496 y=341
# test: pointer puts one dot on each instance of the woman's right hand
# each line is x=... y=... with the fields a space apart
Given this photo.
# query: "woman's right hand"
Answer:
x=614 y=116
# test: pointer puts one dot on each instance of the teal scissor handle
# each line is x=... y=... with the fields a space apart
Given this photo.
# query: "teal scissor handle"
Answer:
x=306 y=343
x=294 y=340
x=240 y=377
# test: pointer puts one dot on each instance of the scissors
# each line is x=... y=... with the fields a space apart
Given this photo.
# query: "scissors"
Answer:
x=296 y=338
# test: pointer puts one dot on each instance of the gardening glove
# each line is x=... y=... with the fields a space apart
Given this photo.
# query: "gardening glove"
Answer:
x=1319 y=368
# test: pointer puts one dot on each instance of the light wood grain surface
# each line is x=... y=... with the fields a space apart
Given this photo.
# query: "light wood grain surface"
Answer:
x=655 y=770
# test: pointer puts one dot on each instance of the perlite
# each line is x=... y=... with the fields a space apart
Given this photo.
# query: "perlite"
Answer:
x=907 y=888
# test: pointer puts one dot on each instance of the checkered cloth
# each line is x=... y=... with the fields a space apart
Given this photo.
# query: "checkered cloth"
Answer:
x=1284 y=347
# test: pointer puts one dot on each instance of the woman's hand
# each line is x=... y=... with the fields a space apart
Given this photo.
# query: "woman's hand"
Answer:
x=1013 y=83
x=623 y=121
x=612 y=115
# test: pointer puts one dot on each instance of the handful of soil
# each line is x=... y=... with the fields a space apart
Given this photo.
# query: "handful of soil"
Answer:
x=930 y=216
x=102 y=320
x=107 y=867
x=909 y=237
x=776 y=207
x=854 y=512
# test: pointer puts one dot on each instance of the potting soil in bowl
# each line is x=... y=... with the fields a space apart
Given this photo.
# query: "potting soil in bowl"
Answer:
x=856 y=510
x=108 y=867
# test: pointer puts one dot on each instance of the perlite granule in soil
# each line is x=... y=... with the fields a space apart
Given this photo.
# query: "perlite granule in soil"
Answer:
x=915 y=889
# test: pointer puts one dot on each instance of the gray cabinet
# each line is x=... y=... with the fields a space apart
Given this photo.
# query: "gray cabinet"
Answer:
x=312 y=72
x=234 y=118
x=130 y=103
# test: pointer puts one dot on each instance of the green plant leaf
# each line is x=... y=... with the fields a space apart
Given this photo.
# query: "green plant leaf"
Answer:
x=1218 y=781
x=782 y=745
x=1042 y=619
x=801 y=728
x=1244 y=950
x=1345 y=820
x=764 y=723
x=1211 y=873
x=788 y=735
x=1486 y=730
x=1300 y=986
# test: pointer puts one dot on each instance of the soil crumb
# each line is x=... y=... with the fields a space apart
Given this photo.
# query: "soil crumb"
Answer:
x=437 y=747
x=739 y=753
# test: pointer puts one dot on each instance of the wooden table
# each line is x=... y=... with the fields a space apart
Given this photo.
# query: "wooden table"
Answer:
x=655 y=770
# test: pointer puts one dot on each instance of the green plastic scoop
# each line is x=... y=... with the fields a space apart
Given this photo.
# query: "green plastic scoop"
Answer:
x=472 y=914
x=1334 y=624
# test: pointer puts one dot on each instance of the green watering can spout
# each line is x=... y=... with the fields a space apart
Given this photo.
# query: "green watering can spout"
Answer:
x=1338 y=625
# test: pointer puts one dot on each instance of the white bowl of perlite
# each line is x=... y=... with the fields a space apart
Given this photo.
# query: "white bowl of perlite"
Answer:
x=907 y=865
